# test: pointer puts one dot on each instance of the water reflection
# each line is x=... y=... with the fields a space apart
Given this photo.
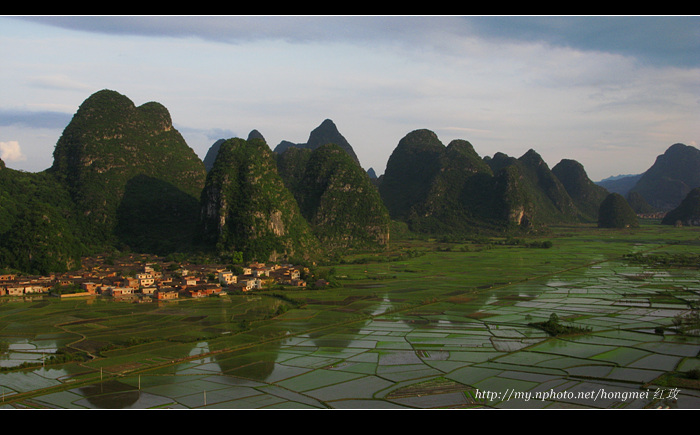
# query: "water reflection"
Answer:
x=384 y=306
x=444 y=336
x=109 y=395
x=121 y=395
x=23 y=350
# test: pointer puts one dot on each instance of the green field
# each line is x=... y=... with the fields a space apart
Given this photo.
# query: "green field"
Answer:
x=430 y=324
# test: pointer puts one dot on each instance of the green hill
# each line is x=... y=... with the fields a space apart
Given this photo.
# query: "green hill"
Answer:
x=324 y=134
x=438 y=189
x=246 y=208
x=125 y=168
x=210 y=157
x=615 y=212
x=587 y=195
x=124 y=178
x=37 y=224
x=410 y=171
x=639 y=204
x=551 y=202
x=688 y=211
x=337 y=198
x=461 y=195
x=291 y=165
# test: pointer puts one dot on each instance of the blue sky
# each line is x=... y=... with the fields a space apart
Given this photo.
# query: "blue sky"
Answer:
x=612 y=92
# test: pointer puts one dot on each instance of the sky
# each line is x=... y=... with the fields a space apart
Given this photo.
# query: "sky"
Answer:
x=612 y=92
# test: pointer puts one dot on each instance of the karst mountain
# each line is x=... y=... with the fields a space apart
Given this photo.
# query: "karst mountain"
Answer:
x=124 y=179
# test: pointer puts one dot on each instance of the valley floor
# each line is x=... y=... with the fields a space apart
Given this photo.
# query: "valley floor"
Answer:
x=445 y=325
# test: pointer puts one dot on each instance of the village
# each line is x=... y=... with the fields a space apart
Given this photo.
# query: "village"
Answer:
x=135 y=279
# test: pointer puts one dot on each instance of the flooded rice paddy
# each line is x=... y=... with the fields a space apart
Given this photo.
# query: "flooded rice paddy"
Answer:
x=457 y=335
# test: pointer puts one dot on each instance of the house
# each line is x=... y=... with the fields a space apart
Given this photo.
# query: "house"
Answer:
x=251 y=284
x=121 y=291
x=290 y=276
x=90 y=287
x=196 y=293
x=154 y=273
x=189 y=281
x=227 y=277
x=15 y=290
x=259 y=270
x=203 y=290
x=166 y=294
x=145 y=279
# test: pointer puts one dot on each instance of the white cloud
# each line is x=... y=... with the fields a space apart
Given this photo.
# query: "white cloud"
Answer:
x=59 y=82
x=11 y=152
x=377 y=78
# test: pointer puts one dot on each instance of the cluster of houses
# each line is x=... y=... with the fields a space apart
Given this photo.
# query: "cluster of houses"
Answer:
x=149 y=283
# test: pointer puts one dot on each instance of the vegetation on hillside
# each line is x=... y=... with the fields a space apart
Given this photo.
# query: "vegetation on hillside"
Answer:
x=615 y=212
x=324 y=134
x=587 y=196
x=443 y=190
x=338 y=199
x=38 y=228
x=124 y=179
x=687 y=212
x=121 y=163
x=246 y=208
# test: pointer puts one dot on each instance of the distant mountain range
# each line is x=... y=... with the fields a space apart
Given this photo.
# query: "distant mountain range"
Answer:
x=665 y=184
x=621 y=184
x=124 y=179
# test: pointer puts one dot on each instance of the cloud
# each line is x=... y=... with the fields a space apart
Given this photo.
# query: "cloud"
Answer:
x=656 y=40
x=34 y=119
x=58 y=83
x=565 y=86
x=235 y=29
x=11 y=152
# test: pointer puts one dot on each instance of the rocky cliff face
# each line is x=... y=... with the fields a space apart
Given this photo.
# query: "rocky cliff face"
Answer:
x=245 y=206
